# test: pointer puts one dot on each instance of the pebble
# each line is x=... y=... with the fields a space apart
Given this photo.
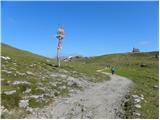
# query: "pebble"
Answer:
x=5 y=58
x=137 y=114
x=10 y=92
x=29 y=73
x=47 y=60
x=3 y=109
x=142 y=98
x=15 y=64
x=23 y=103
x=12 y=68
x=135 y=96
x=137 y=100
x=6 y=71
x=27 y=91
x=89 y=115
x=36 y=96
x=156 y=86
x=63 y=87
x=29 y=109
x=138 y=106
x=20 y=82
x=19 y=73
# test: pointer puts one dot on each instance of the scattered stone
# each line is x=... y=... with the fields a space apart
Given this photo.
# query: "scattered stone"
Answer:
x=33 y=65
x=3 y=109
x=136 y=114
x=137 y=100
x=10 y=92
x=58 y=75
x=8 y=81
x=156 y=86
x=41 y=88
x=15 y=64
x=29 y=109
x=27 y=91
x=6 y=71
x=63 y=87
x=37 y=96
x=21 y=74
x=29 y=73
x=89 y=114
x=12 y=68
x=23 y=103
x=20 y=82
x=63 y=71
x=138 y=106
x=5 y=58
x=135 y=96
x=143 y=65
x=142 y=95
x=47 y=60
x=142 y=98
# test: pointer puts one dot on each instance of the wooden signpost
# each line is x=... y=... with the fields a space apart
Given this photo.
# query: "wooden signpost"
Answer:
x=60 y=36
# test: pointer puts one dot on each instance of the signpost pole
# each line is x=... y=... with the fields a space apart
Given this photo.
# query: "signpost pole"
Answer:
x=60 y=36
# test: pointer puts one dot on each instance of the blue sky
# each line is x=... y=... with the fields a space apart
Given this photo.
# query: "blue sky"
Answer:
x=91 y=28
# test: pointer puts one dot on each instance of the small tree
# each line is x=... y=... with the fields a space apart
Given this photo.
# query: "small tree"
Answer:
x=60 y=36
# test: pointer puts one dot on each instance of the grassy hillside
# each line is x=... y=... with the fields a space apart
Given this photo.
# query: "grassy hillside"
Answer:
x=30 y=81
x=142 y=68
x=26 y=76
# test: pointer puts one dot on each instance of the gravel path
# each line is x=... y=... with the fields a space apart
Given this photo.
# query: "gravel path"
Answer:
x=98 y=100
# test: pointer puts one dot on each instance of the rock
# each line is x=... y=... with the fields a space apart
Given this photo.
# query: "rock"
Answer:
x=63 y=87
x=15 y=64
x=23 y=103
x=89 y=114
x=32 y=65
x=27 y=91
x=6 y=71
x=136 y=114
x=135 y=96
x=58 y=75
x=8 y=81
x=20 y=82
x=10 y=92
x=5 y=58
x=29 y=109
x=142 y=95
x=137 y=100
x=41 y=88
x=138 y=106
x=36 y=96
x=155 y=86
x=29 y=73
x=21 y=74
x=143 y=65
x=142 y=98
x=3 y=109
x=12 y=68
x=47 y=60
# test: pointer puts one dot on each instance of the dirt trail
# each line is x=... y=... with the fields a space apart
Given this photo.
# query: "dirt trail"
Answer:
x=98 y=100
